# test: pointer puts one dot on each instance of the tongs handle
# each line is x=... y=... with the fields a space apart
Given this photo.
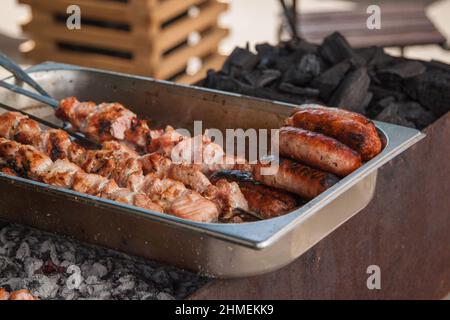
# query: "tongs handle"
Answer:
x=44 y=99
x=20 y=74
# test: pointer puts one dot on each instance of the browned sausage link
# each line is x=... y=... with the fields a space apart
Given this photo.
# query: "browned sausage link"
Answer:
x=342 y=113
x=318 y=151
x=296 y=178
x=267 y=201
x=363 y=138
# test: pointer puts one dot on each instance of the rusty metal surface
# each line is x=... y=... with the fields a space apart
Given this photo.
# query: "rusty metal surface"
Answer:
x=405 y=230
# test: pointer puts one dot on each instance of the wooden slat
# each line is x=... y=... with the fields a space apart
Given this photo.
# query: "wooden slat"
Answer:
x=369 y=33
x=171 y=8
x=388 y=10
x=110 y=11
x=145 y=40
x=214 y=62
x=403 y=24
x=177 y=60
x=180 y=30
x=42 y=27
x=46 y=51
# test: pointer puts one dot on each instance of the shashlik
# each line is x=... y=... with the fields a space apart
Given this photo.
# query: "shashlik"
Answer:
x=31 y=163
x=124 y=166
x=106 y=121
x=112 y=121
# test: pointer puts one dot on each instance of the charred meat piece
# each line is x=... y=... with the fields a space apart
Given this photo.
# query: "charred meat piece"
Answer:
x=32 y=163
x=109 y=121
x=74 y=111
x=191 y=205
x=8 y=123
x=349 y=128
x=61 y=174
x=267 y=201
x=190 y=176
x=179 y=201
x=296 y=178
x=93 y=184
x=54 y=142
x=228 y=196
x=225 y=195
x=106 y=121
x=318 y=151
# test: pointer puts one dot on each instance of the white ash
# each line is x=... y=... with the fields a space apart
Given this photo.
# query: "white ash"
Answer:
x=55 y=267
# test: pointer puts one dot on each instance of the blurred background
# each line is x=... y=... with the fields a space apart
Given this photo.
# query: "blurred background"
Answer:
x=247 y=21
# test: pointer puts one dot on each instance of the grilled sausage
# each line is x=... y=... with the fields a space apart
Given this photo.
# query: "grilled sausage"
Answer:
x=296 y=178
x=318 y=151
x=349 y=128
x=267 y=201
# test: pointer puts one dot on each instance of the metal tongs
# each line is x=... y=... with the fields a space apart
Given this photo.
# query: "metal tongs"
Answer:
x=43 y=97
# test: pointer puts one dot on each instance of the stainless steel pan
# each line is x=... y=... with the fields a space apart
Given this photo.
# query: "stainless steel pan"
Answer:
x=220 y=250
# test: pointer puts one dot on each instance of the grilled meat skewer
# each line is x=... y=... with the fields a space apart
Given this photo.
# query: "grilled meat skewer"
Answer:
x=34 y=164
x=122 y=164
x=112 y=121
x=104 y=122
x=226 y=194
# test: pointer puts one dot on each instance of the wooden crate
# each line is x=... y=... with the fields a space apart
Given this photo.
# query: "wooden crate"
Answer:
x=145 y=37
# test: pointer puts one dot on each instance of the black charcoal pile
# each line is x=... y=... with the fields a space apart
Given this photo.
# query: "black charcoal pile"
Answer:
x=53 y=267
x=369 y=81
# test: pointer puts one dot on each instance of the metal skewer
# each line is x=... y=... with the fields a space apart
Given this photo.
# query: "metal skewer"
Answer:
x=249 y=213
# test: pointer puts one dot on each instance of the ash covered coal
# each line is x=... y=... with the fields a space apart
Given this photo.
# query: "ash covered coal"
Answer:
x=369 y=81
x=54 y=267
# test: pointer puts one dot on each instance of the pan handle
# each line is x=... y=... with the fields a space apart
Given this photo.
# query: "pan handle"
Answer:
x=20 y=74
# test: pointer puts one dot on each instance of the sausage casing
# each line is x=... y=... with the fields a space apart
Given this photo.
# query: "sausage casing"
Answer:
x=296 y=178
x=318 y=151
x=352 y=129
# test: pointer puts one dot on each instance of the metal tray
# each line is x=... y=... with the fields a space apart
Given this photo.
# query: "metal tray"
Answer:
x=220 y=250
